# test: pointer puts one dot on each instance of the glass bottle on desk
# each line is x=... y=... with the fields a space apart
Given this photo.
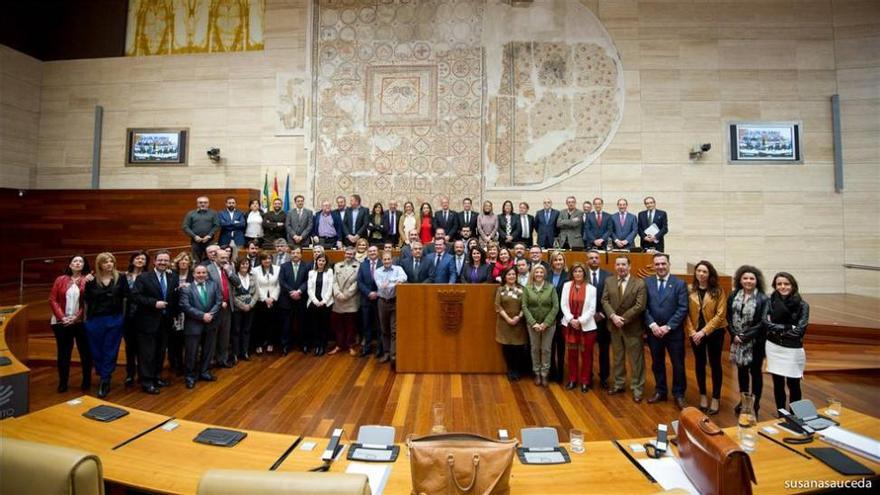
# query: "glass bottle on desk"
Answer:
x=747 y=423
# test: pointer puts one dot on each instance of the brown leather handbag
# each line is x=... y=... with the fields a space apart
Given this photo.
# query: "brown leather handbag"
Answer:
x=713 y=461
x=459 y=463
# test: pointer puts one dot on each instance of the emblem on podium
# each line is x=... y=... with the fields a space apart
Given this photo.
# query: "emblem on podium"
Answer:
x=451 y=309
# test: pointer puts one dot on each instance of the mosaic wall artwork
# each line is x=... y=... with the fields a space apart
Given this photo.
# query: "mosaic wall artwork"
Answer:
x=420 y=99
x=291 y=92
x=556 y=106
x=164 y=27
x=398 y=99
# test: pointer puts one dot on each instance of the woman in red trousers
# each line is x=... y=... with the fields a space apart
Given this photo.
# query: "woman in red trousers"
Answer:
x=578 y=305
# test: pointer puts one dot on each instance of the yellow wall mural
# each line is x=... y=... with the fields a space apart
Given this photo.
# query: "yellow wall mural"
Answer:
x=164 y=27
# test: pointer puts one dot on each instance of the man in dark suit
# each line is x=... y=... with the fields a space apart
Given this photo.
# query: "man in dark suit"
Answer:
x=467 y=217
x=447 y=220
x=596 y=277
x=232 y=225
x=597 y=230
x=222 y=273
x=458 y=259
x=327 y=227
x=355 y=224
x=340 y=209
x=298 y=225
x=390 y=221
x=406 y=251
x=417 y=270
x=441 y=264
x=587 y=208
x=624 y=227
x=526 y=225
x=665 y=314
x=536 y=257
x=652 y=216
x=155 y=293
x=253 y=253
x=545 y=224
x=623 y=301
x=200 y=303
x=366 y=282
x=293 y=279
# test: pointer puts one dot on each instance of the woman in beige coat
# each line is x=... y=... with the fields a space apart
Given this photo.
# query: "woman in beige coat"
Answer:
x=347 y=302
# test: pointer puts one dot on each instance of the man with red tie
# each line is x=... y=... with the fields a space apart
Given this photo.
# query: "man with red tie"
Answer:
x=223 y=274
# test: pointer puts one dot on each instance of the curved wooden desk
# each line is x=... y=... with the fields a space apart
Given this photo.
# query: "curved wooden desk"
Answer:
x=15 y=376
x=138 y=451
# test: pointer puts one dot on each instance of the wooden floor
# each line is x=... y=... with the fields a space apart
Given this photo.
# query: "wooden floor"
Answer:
x=307 y=395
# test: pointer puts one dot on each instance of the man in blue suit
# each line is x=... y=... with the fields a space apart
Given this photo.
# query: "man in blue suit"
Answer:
x=597 y=228
x=545 y=224
x=441 y=263
x=664 y=316
x=652 y=216
x=293 y=279
x=232 y=225
x=200 y=302
x=366 y=282
x=596 y=277
x=327 y=227
x=624 y=227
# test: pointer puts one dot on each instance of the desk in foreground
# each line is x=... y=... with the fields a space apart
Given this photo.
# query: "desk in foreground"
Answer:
x=601 y=469
x=170 y=462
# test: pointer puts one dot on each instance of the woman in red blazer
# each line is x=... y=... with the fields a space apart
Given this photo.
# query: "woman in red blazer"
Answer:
x=66 y=302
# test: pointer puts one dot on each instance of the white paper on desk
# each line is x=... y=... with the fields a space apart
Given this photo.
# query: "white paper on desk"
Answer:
x=652 y=229
x=377 y=474
x=852 y=441
x=669 y=474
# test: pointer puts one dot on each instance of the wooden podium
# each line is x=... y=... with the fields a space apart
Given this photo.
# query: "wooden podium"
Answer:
x=451 y=328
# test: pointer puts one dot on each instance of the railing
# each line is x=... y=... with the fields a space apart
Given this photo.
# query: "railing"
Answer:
x=42 y=271
x=862 y=267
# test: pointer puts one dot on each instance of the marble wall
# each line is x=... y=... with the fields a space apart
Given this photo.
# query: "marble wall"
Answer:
x=20 y=77
x=685 y=69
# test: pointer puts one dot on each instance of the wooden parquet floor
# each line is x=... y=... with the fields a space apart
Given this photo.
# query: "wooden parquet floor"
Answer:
x=303 y=394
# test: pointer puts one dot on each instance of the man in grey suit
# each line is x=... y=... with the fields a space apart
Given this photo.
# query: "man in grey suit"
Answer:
x=223 y=275
x=299 y=224
x=200 y=302
x=571 y=226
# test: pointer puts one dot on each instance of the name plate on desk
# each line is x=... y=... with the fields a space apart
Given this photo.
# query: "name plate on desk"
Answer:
x=373 y=453
x=555 y=455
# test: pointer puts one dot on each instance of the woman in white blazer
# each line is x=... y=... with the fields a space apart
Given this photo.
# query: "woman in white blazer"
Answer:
x=578 y=305
x=266 y=316
x=320 y=289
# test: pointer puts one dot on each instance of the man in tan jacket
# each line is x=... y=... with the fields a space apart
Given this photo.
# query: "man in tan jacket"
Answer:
x=346 y=302
x=623 y=300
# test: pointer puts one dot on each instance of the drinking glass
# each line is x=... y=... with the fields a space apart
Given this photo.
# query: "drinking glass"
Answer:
x=834 y=407
x=439 y=415
x=577 y=441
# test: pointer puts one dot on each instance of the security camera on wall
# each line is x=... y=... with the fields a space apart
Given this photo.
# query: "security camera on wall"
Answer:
x=214 y=155
x=698 y=150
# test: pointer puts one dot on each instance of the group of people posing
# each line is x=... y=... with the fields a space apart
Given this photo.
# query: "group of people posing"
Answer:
x=212 y=307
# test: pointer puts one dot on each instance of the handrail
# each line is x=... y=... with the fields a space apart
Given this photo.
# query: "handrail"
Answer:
x=862 y=267
x=52 y=259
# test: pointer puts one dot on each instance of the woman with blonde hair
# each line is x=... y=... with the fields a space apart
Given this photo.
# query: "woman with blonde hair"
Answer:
x=182 y=266
x=407 y=223
x=105 y=297
x=361 y=250
x=540 y=305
